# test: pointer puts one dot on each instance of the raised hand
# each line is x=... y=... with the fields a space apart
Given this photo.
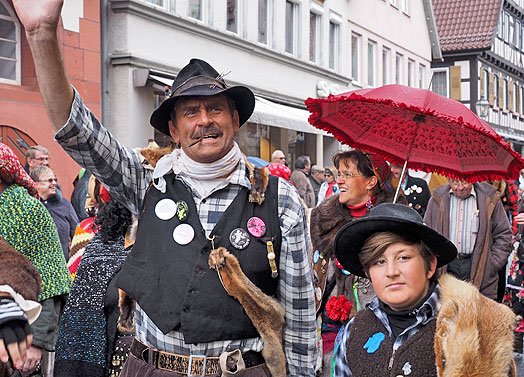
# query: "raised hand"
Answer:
x=38 y=15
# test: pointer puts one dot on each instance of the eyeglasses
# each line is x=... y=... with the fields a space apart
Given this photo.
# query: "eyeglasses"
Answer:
x=50 y=180
x=348 y=175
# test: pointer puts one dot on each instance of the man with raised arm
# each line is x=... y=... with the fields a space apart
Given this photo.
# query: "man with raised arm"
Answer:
x=204 y=195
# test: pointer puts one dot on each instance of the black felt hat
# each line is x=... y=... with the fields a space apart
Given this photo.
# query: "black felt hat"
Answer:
x=198 y=78
x=389 y=217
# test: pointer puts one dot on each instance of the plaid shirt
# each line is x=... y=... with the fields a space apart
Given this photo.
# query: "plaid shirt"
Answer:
x=119 y=169
x=423 y=318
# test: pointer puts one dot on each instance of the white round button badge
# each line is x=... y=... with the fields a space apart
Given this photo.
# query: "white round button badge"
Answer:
x=183 y=234
x=165 y=209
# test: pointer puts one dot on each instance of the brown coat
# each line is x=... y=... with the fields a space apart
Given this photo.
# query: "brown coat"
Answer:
x=493 y=243
x=301 y=181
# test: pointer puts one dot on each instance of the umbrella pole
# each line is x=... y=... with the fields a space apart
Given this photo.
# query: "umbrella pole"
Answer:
x=400 y=181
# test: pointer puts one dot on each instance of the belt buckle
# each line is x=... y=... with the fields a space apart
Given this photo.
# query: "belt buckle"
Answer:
x=190 y=365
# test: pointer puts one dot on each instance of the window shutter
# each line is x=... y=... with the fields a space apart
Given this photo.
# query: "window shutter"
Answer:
x=482 y=83
x=500 y=100
x=491 y=97
x=510 y=96
x=517 y=110
x=454 y=80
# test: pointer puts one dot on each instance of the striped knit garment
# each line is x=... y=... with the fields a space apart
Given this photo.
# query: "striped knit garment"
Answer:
x=83 y=234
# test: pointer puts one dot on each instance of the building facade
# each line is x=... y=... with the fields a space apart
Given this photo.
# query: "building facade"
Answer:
x=391 y=42
x=23 y=119
x=483 y=57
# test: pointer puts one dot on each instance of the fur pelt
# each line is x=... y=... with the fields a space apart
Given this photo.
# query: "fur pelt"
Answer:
x=18 y=272
x=259 y=179
x=329 y=217
x=266 y=313
x=474 y=335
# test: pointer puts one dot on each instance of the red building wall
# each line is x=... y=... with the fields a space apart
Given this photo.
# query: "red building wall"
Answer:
x=21 y=106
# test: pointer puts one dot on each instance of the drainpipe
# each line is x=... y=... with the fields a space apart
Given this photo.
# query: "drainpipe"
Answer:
x=104 y=9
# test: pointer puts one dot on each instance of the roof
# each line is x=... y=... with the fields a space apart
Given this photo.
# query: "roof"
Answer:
x=466 y=24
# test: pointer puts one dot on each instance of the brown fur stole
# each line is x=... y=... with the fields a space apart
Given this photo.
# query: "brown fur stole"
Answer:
x=18 y=272
x=474 y=335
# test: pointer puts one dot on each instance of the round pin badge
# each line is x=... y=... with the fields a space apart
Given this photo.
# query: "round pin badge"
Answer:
x=239 y=238
x=318 y=294
x=165 y=209
x=183 y=234
x=256 y=226
x=316 y=256
x=182 y=210
x=418 y=190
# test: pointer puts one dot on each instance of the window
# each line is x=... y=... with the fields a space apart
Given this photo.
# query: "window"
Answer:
x=291 y=26
x=232 y=16
x=505 y=94
x=506 y=27
x=411 y=73
x=496 y=84
x=486 y=83
x=372 y=46
x=9 y=44
x=521 y=37
x=334 y=44
x=405 y=6
x=385 y=66
x=398 y=68
x=355 y=57
x=500 y=25
x=314 y=36
x=422 y=76
x=517 y=35
x=262 y=21
x=440 y=81
x=194 y=9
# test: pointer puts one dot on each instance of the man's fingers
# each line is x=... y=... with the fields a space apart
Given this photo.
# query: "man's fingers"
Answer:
x=29 y=340
x=14 y=352
x=4 y=357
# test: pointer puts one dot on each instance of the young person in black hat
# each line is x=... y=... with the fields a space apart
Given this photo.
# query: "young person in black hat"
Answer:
x=204 y=195
x=416 y=325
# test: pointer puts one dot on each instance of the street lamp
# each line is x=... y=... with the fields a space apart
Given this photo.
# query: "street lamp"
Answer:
x=482 y=107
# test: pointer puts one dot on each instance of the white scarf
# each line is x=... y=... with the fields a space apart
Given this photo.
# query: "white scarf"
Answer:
x=203 y=177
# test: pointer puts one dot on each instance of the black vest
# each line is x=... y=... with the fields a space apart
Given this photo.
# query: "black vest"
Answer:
x=416 y=354
x=173 y=283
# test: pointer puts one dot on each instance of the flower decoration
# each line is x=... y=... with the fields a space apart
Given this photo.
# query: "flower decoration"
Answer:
x=338 y=308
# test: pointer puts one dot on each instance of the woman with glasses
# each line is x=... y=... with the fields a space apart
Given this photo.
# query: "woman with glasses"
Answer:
x=60 y=208
x=364 y=181
x=329 y=186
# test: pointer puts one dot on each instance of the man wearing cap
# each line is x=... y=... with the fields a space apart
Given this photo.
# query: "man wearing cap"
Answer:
x=204 y=195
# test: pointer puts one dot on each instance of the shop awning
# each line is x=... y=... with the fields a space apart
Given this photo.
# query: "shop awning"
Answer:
x=282 y=116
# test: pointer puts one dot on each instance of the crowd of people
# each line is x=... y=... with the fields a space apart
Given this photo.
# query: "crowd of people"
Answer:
x=370 y=270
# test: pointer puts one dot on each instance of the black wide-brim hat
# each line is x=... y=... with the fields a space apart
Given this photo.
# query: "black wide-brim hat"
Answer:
x=198 y=78
x=389 y=217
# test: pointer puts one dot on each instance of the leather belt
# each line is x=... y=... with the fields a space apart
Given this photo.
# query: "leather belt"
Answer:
x=463 y=256
x=192 y=365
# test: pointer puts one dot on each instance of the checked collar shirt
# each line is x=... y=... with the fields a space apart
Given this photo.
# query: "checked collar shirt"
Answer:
x=427 y=312
x=119 y=169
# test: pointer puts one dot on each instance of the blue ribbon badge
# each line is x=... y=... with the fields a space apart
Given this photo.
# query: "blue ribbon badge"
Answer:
x=374 y=342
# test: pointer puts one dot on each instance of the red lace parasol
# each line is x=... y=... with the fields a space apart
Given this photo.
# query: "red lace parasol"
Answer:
x=431 y=132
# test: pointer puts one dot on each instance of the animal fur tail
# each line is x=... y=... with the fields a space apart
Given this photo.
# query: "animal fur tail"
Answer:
x=126 y=320
x=474 y=335
x=266 y=313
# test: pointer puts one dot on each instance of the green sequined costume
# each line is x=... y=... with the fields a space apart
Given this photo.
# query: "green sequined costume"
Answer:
x=27 y=226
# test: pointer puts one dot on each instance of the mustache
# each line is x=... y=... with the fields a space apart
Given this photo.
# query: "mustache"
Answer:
x=209 y=130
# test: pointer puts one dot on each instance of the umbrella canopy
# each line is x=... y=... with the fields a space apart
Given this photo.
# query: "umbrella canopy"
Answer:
x=431 y=132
